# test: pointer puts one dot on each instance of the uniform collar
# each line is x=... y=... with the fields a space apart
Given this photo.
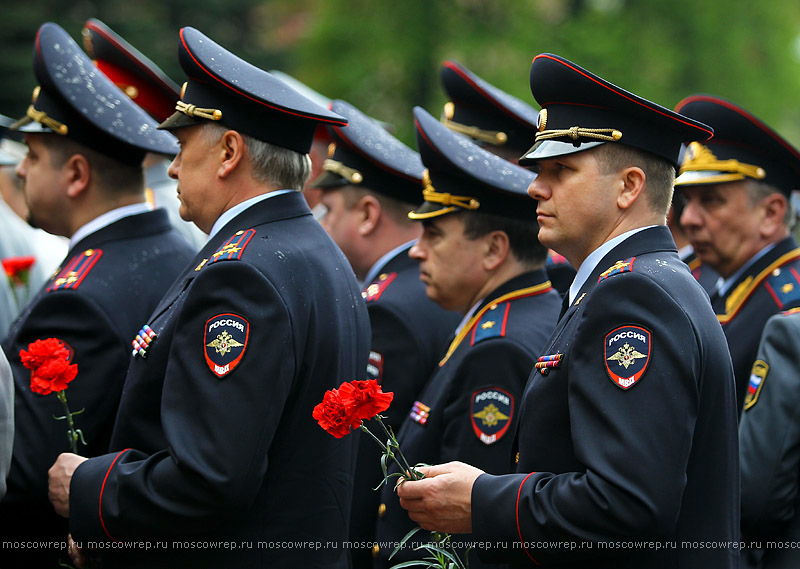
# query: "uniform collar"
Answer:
x=107 y=219
x=590 y=263
x=383 y=261
x=724 y=285
x=239 y=208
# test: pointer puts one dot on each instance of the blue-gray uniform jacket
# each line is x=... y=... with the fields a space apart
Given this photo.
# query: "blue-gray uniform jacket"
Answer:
x=95 y=303
x=215 y=441
x=627 y=442
x=768 y=286
x=769 y=445
x=409 y=335
x=469 y=408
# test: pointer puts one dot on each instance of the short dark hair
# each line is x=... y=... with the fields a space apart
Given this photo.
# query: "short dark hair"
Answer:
x=659 y=173
x=113 y=176
x=396 y=209
x=522 y=234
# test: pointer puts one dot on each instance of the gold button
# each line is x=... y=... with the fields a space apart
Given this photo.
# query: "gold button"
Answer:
x=381 y=510
x=375 y=550
x=516 y=459
x=89 y=252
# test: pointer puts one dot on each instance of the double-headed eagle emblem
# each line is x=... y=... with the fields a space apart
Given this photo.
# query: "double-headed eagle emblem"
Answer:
x=627 y=355
x=224 y=343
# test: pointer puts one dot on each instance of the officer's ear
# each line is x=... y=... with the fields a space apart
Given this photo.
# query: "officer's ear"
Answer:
x=497 y=249
x=631 y=182
x=369 y=213
x=77 y=174
x=232 y=149
x=773 y=221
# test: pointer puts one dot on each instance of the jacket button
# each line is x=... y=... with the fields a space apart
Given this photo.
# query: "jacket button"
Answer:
x=381 y=510
x=516 y=458
x=375 y=550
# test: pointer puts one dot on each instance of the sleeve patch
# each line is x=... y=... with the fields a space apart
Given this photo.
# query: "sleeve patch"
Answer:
x=627 y=352
x=757 y=377
x=233 y=248
x=784 y=286
x=376 y=287
x=491 y=411
x=492 y=324
x=625 y=266
x=76 y=269
x=225 y=341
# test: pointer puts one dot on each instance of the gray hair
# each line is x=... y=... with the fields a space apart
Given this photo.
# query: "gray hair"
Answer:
x=757 y=191
x=275 y=165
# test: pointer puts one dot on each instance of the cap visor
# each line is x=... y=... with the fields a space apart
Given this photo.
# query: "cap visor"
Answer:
x=430 y=209
x=553 y=149
x=27 y=124
x=179 y=120
x=328 y=181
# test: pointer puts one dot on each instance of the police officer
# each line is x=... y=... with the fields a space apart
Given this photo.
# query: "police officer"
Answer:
x=83 y=179
x=369 y=184
x=499 y=123
x=738 y=218
x=478 y=255
x=150 y=88
x=627 y=431
x=769 y=444
x=215 y=441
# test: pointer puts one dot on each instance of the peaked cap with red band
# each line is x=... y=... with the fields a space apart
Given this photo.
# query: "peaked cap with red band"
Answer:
x=222 y=87
x=742 y=147
x=76 y=100
x=581 y=110
x=485 y=113
x=135 y=74
x=367 y=156
x=462 y=176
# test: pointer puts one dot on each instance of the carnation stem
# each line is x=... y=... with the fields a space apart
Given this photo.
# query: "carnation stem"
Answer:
x=72 y=433
x=408 y=472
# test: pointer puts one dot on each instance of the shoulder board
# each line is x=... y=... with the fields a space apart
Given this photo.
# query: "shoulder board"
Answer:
x=376 y=288
x=492 y=324
x=76 y=269
x=625 y=266
x=233 y=247
x=784 y=286
x=739 y=296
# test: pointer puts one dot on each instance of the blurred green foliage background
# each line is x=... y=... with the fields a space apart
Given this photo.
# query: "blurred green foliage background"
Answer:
x=384 y=57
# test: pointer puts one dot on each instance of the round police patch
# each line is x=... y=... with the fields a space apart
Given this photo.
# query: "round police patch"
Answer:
x=225 y=341
x=491 y=412
x=627 y=352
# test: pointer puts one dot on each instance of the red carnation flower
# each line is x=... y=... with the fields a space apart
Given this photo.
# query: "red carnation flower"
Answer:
x=332 y=414
x=364 y=399
x=48 y=361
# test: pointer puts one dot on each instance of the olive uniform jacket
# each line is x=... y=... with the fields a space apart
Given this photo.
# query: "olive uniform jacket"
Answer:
x=627 y=442
x=769 y=445
x=95 y=302
x=469 y=408
x=216 y=460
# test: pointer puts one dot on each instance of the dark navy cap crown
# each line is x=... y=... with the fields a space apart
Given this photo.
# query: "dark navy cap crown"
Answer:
x=135 y=74
x=364 y=154
x=581 y=110
x=223 y=87
x=742 y=147
x=485 y=113
x=76 y=100
x=462 y=176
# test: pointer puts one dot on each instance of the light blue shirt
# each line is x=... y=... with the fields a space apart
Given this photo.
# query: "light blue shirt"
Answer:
x=590 y=263
x=239 y=208
x=724 y=285
x=107 y=219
